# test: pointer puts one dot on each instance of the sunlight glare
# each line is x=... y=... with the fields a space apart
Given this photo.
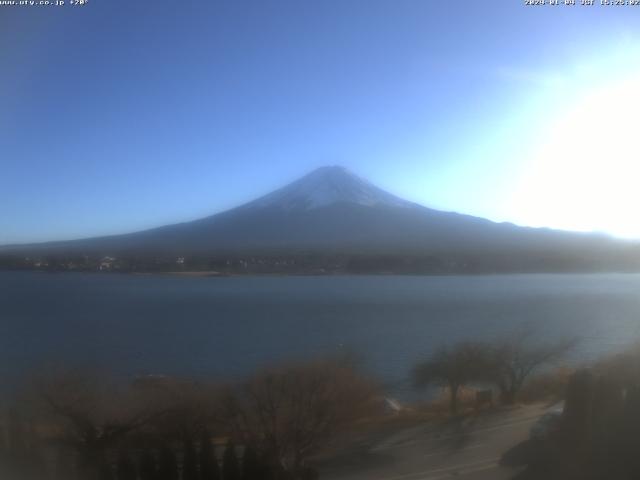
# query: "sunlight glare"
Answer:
x=584 y=175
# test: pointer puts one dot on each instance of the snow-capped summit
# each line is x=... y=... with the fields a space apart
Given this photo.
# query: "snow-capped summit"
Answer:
x=327 y=186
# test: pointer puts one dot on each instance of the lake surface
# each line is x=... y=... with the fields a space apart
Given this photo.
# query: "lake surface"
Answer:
x=226 y=327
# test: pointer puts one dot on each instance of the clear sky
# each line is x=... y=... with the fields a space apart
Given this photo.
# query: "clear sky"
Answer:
x=127 y=114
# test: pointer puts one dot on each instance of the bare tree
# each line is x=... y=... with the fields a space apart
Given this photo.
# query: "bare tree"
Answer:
x=91 y=415
x=514 y=358
x=188 y=407
x=507 y=363
x=290 y=411
x=452 y=367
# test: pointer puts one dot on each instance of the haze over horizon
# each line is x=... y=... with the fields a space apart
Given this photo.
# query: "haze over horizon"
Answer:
x=119 y=117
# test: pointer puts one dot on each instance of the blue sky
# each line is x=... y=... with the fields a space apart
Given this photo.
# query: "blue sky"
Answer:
x=120 y=115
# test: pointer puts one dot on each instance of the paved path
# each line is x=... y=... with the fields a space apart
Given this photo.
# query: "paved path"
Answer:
x=468 y=449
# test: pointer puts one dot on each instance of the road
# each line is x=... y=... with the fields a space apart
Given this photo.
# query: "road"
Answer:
x=469 y=449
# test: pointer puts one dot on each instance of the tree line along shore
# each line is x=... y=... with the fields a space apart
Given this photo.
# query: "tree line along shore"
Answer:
x=323 y=263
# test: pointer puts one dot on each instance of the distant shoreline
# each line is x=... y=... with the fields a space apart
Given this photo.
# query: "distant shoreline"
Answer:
x=217 y=274
x=192 y=274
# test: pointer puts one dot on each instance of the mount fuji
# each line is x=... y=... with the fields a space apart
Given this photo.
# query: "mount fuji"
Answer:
x=332 y=211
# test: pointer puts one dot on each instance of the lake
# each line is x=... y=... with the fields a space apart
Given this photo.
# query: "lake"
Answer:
x=226 y=327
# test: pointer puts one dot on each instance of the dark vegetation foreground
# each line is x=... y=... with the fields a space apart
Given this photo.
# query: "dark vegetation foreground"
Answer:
x=282 y=423
x=597 y=435
x=83 y=427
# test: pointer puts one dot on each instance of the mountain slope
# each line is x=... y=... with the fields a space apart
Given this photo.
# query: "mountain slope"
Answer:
x=333 y=211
